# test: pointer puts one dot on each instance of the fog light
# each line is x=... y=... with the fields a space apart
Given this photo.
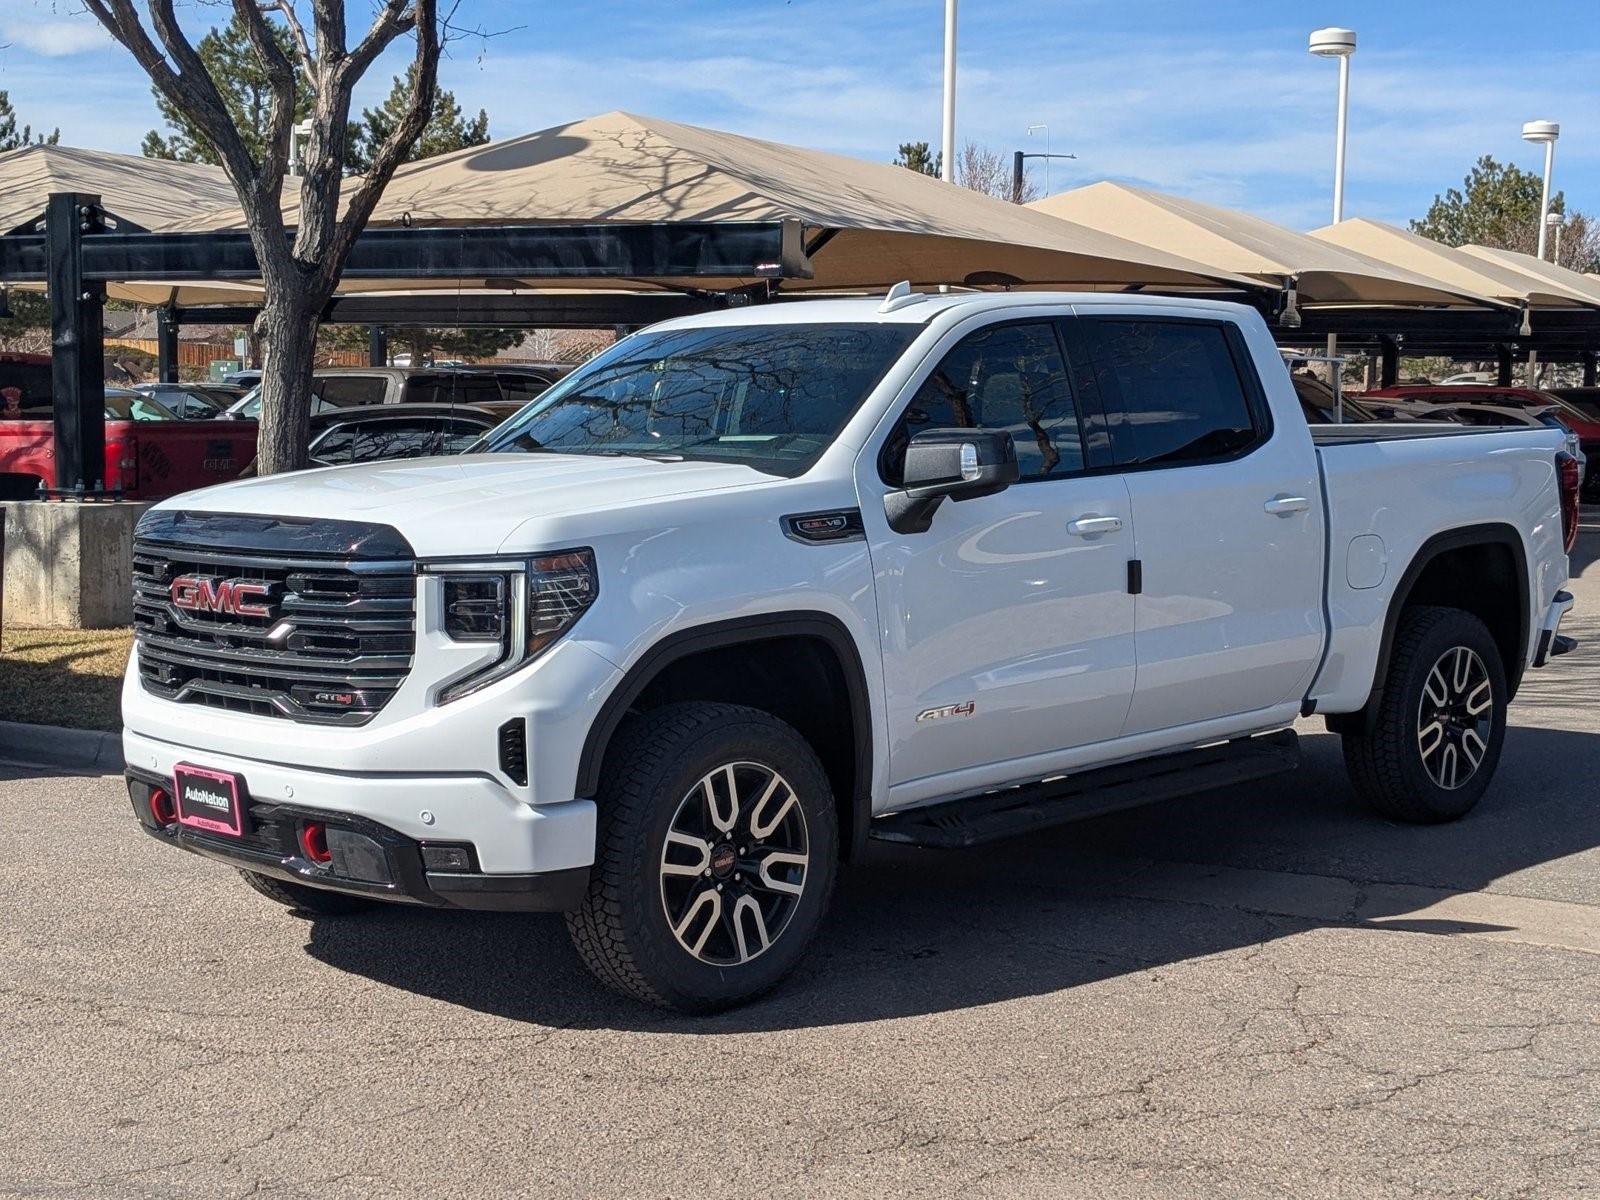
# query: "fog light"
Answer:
x=441 y=856
x=162 y=807
x=314 y=843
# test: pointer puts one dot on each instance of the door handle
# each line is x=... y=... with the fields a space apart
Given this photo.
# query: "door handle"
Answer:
x=1091 y=525
x=1283 y=506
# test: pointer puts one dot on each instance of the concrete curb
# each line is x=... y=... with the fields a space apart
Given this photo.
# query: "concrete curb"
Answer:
x=87 y=750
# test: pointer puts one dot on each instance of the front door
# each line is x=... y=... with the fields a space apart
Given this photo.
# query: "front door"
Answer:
x=1007 y=628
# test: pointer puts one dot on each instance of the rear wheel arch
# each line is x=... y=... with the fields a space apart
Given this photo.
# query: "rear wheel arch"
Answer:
x=733 y=661
x=1490 y=553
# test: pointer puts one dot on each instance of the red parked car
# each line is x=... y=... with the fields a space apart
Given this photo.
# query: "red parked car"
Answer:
x=150 y=454
x=1579 y=418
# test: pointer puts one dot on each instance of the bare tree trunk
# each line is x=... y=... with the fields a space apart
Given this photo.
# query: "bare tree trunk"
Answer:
x=289 y=331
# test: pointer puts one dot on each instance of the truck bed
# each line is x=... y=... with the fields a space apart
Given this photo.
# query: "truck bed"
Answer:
x=1390 y=488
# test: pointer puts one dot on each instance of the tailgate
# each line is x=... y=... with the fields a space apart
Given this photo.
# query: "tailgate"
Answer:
x=179 y=456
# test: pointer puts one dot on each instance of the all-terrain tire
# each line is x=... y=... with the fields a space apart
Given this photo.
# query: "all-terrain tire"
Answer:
x=315 y=901
x=653 y=780
x=1398 y=769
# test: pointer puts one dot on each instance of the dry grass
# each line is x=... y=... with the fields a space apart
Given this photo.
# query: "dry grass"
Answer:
x=63 y=676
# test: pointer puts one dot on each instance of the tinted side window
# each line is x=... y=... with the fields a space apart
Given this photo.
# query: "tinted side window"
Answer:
x=451 y=389
x=519 y=389
x=1008 y=377
x=1173 y=391
x=459 y=434
x=348 y=391
x=377 y=440
x=334 y=445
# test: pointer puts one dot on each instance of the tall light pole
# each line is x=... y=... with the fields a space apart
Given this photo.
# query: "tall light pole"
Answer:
x=1546 y=132
x=948 y=148
x=1553 y=221
x=1334 y=42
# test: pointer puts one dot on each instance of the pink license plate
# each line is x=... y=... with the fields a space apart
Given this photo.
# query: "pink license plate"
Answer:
x=209 y=800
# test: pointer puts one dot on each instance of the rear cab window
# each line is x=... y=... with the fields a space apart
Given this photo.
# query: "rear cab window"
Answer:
x=1175 y=390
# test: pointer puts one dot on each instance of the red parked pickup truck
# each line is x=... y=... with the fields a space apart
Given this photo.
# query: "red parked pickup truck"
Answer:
x=149 y=453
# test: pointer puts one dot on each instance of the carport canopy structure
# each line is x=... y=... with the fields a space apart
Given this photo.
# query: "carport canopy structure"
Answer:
x=614 y=205
x=1319 y=271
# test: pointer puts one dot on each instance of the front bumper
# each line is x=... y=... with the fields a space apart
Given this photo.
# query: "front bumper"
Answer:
x=369 y=859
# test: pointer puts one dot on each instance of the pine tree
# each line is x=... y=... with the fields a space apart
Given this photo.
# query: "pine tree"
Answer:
x=447 y=129
x=246 y=91
x=916 y=156
x=10 y=138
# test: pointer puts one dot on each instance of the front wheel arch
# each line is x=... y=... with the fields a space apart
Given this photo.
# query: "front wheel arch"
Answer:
x=846 y=747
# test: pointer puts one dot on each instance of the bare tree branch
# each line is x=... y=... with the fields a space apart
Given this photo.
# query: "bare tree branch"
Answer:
x=297 y=35
x=280 y=76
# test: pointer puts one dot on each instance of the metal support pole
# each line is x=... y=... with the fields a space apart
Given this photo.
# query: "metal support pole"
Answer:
x=948 y=145
x=166 y=345
x=1389 y=349
x=1502 y=355
x=1016 y=177
x=1590 y=361
x=377 y=346
x=77 y=338
x=1544 y=195
x=1338 y=172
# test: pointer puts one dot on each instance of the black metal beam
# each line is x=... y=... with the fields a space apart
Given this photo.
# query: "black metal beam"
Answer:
x=77 y=340
x=458 y=310
x=682 y=250
x=1389 y=369
x=167 y=344
x=377 y=346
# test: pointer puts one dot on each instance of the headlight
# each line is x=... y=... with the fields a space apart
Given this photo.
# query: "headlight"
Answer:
x=525 y=606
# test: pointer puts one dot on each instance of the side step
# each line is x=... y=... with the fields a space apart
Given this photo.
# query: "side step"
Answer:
x=957 y=824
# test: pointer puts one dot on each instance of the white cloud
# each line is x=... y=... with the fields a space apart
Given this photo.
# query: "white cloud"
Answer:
x=49 y=28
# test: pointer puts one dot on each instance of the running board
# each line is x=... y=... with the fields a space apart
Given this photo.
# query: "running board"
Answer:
x=957 y=824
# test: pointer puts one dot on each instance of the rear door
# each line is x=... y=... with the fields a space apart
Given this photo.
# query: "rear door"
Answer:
x=1227 y=515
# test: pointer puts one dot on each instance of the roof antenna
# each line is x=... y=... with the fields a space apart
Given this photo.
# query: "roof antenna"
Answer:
x=900 y=296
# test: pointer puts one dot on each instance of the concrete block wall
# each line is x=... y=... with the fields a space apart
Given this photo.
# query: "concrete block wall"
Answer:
x=69 y=565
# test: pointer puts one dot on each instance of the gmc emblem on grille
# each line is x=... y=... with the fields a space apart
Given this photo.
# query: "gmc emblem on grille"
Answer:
x=234 y=596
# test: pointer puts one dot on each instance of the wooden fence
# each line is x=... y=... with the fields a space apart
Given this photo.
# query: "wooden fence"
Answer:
x=200 y=354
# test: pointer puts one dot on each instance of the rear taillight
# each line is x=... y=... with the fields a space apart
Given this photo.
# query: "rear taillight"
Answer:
x=1569 y=477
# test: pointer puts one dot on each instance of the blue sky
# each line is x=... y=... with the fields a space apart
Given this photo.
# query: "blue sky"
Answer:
x=1215 y=99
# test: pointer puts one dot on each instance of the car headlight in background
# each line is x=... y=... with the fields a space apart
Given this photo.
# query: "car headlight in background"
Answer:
x=524 y=606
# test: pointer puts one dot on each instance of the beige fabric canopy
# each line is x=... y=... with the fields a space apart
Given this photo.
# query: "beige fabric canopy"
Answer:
x=1248 y=245
x=151 y=192
x=1536 y=269
x=1454 y=267
x=885 y=223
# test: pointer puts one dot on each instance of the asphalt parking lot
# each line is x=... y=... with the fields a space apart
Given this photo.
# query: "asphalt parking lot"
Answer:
x=1260 y=993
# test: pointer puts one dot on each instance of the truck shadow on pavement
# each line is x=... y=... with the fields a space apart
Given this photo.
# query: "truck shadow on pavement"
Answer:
x=922 y=932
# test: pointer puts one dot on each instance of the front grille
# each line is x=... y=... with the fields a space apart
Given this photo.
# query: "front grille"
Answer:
x=331 y=644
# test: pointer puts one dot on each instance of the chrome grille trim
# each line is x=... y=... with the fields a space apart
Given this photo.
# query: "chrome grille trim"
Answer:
x=335 y=645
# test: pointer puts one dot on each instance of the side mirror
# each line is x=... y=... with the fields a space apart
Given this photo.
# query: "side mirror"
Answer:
x=961 y=464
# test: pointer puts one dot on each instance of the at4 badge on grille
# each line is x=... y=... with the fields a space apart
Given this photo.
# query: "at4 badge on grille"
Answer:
x=235 y=597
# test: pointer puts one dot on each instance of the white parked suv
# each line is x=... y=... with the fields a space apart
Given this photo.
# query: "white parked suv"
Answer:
x=753 y=587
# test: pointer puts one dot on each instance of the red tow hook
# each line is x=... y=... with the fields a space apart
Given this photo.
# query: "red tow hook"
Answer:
x=314 y=843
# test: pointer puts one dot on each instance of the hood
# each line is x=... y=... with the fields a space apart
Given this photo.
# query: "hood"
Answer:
x=467 y=504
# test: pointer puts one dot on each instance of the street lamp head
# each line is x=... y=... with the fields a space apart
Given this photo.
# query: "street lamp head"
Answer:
x=1552 y=219
x=1333 y=42
x=1541 y=131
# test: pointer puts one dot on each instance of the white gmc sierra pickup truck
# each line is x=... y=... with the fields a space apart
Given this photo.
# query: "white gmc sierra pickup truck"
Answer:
x=751 y=588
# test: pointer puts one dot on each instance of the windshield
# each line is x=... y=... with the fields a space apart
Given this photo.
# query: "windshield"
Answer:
x=769 y=396
x=248 y=406
x=131 y=406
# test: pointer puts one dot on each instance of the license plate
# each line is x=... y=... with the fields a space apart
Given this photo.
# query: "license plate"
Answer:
x=209 y=800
